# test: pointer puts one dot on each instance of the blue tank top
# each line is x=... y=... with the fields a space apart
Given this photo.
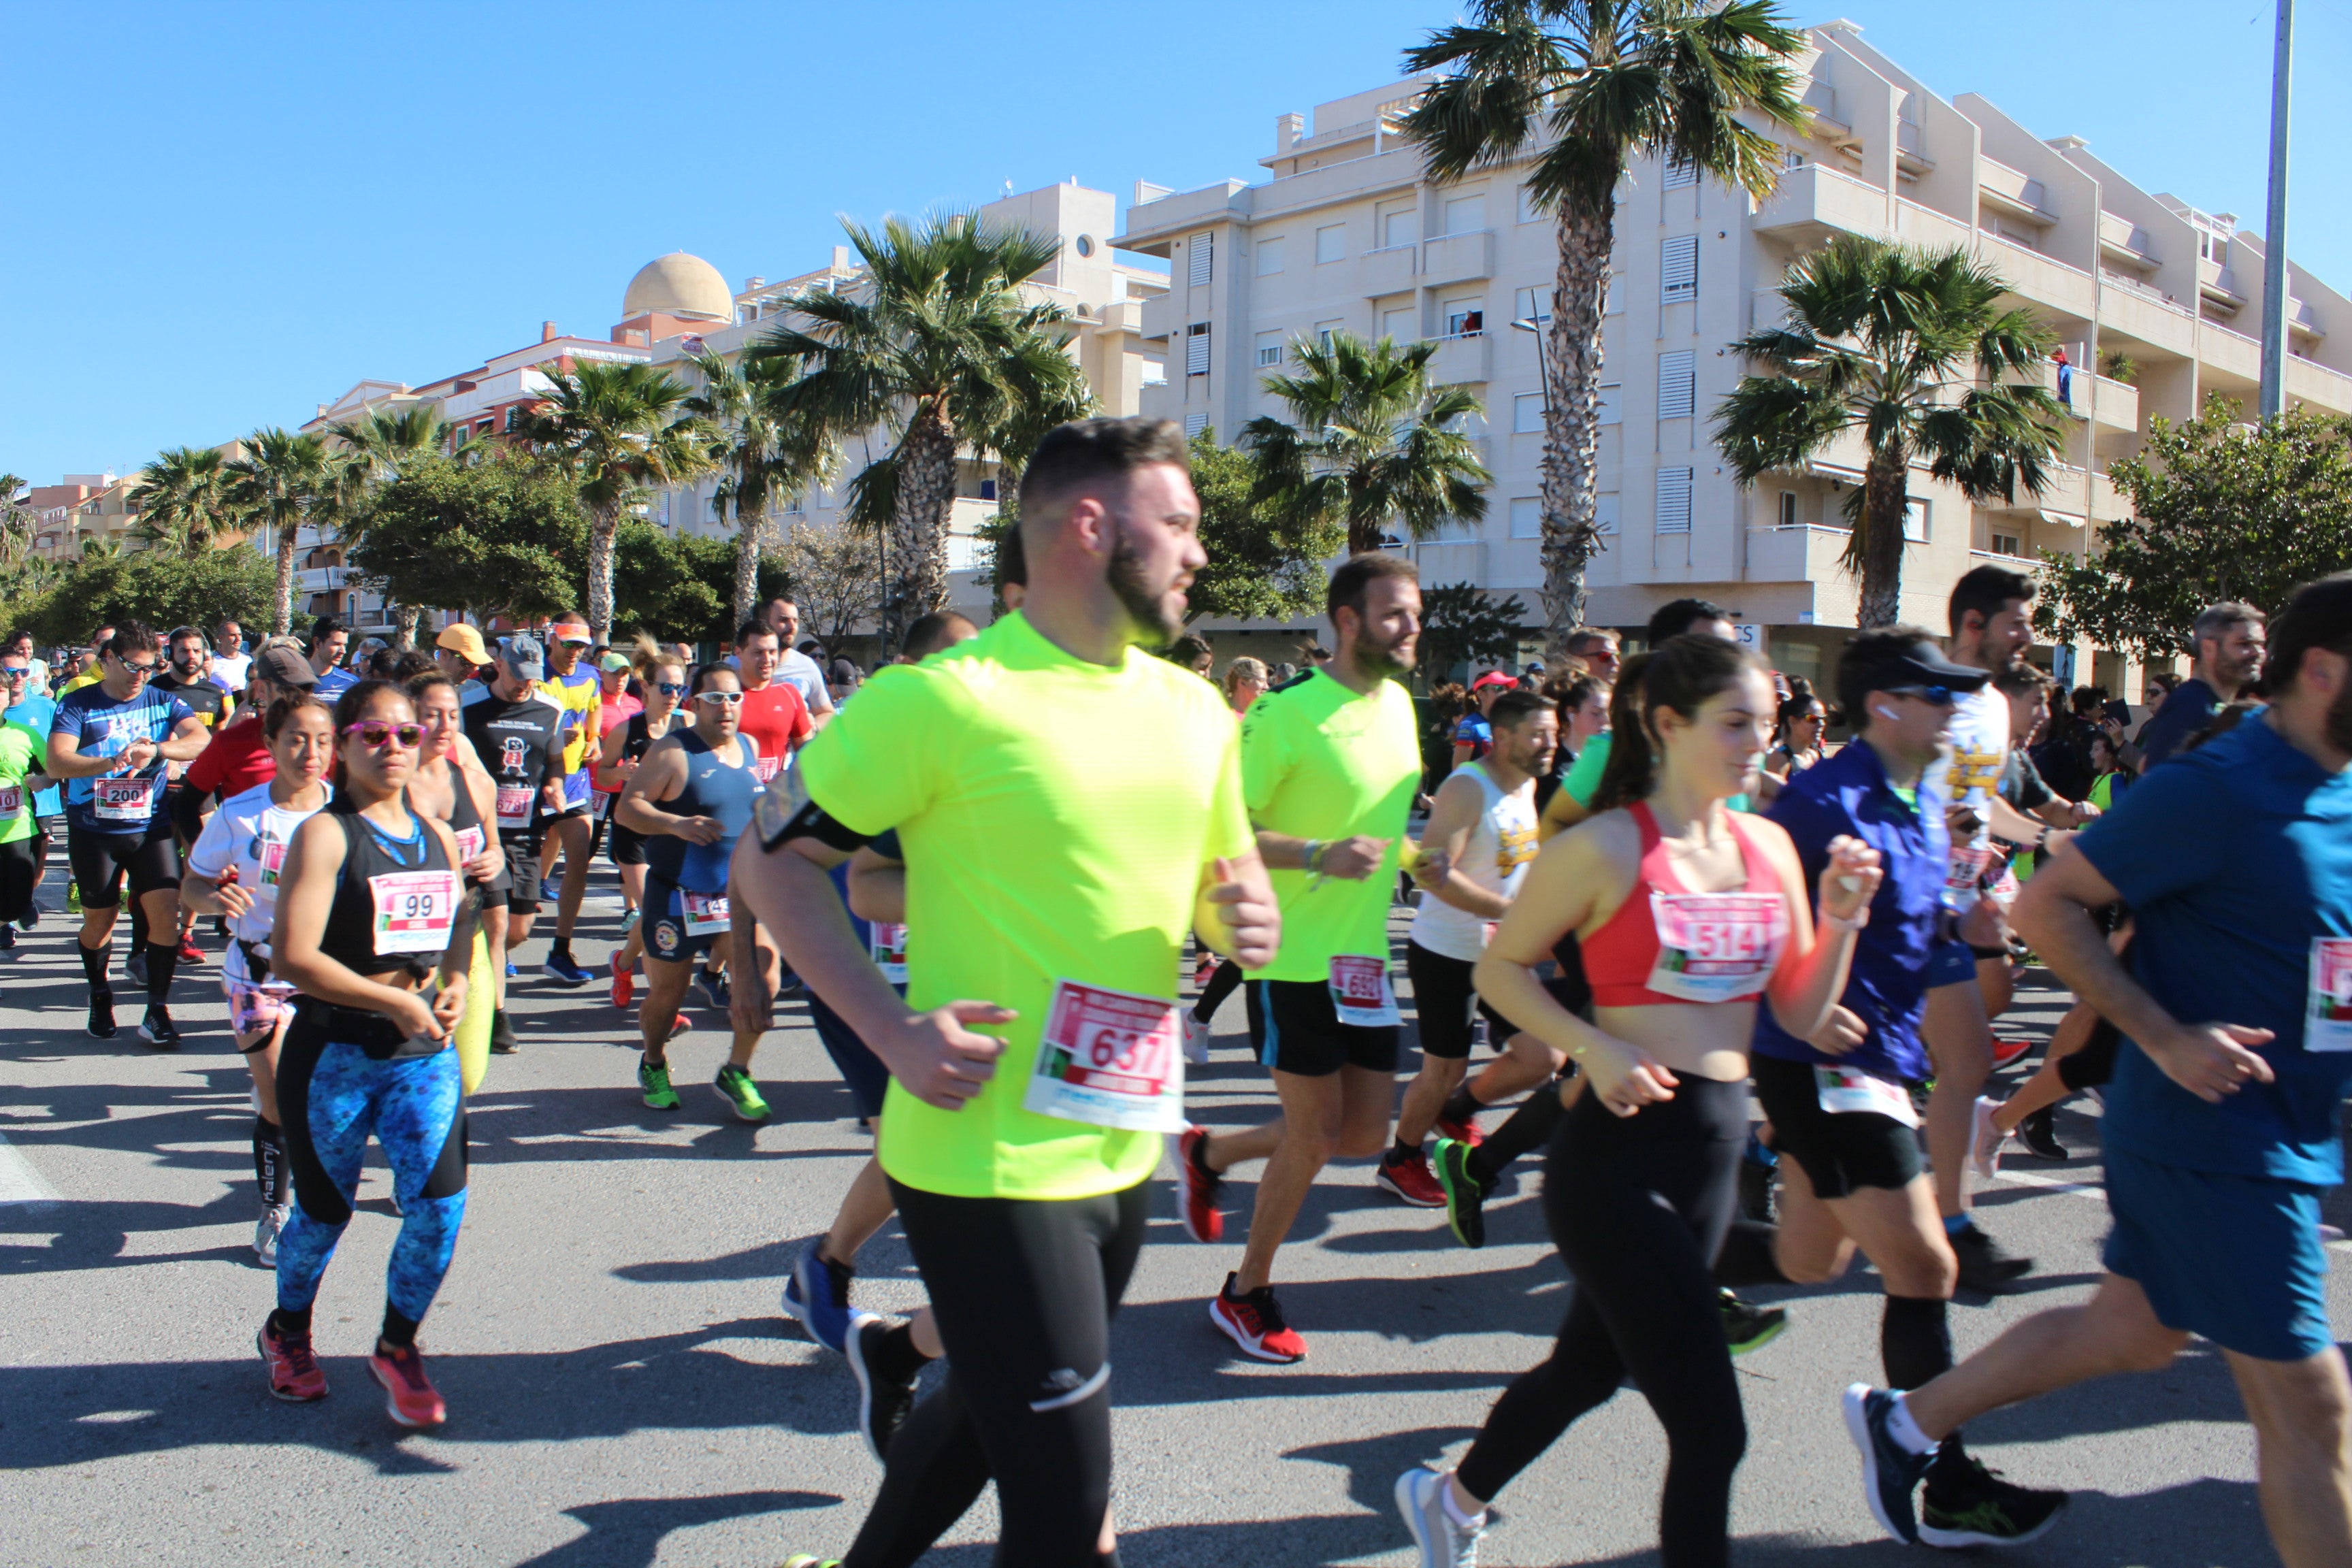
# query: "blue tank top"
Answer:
x=715 y=790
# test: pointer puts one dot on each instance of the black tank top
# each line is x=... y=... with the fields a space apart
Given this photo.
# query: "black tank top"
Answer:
x=465 y=822
x=396 y=900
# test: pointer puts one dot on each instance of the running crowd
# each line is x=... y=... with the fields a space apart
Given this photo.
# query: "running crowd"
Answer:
x=1740 y=985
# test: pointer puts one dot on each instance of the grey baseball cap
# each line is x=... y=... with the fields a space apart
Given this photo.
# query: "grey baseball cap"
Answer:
x=523 y=654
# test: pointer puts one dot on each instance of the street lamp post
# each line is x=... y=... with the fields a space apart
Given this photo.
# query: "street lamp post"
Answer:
x=2274 y=328
x=1543 y=366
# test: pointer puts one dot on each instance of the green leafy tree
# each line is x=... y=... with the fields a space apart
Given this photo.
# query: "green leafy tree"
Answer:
x=1580 y=88
x=1462 y=624
x=369 y=451
x=2218 y=511
x=185 y=500
x=18 y=524
x=504 y=535
x=1265 y=563
x=1370 y=444
x=617 y=430
x=1915 y=352
x=273 y=486
x=765 y=456
x=157 y=586
x=669 y=586
x=934 y=348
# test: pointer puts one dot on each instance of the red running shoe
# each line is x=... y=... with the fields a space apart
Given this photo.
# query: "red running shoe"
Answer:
x=625 y=982
x=412 y=1401
x=2007 y=1051
x=189 y=952
x=1253 y=1321
x=1461 y=1131
x=1196 y=1197
x=295 y=1374
x=1412 y=1181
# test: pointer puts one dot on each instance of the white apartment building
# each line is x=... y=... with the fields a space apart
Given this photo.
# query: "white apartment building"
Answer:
x=1344 y=233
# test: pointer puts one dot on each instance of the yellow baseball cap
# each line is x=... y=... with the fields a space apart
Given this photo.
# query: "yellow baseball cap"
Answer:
x=464 y=641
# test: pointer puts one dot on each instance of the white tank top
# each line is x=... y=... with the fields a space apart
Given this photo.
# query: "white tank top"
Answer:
x=1495 y=860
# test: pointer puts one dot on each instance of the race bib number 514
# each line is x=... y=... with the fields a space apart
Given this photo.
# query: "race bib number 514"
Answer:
x=1110 y=1059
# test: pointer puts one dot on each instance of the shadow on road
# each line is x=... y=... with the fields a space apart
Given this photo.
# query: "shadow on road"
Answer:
x=627 y=1532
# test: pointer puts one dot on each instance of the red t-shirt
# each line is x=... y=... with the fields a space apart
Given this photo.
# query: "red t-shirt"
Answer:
x=777 y=720
x=234 y=760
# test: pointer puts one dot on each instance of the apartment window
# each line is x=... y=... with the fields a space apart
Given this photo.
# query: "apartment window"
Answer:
x=1604 y=513
x=1201 y=253
x=1155 y=372
x=1526 y=517
x=1678 y=268
x=1612 y=403
x=2005 y=544
x=1402 y=323
x=1269 y=257
x=1527 y=413
x=1532 y=305
x=1677 y=384
x=1612 y=295
x=1790 y=158
x=1194 y=424
x=1466 y=214
x=1681 y=175
x=514 y=415
x=1326 y=331
x=1331 y=243
x=1464 y=317
x=1531 y=210
x=1788 y=509
x=1400 y=224
x=1269 y=348
x=1674 y=501
x=1196 y=349
x=1915 y=519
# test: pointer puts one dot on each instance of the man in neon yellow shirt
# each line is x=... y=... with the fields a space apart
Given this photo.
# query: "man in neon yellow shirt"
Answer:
x=1070 y=806
x=1330 y=766
x=573 y=688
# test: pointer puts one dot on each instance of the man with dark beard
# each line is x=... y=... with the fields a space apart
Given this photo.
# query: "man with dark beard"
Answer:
x=1070 y=806
x=1329 y=766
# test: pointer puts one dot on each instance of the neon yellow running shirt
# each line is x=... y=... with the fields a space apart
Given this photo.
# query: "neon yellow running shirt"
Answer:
x=1320 y=762
x=1055 y=817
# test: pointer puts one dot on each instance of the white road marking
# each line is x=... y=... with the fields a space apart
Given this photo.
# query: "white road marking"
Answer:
x=20 y=1183
x=2094 y=1191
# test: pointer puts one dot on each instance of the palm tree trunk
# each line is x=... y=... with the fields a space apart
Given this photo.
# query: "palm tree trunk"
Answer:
x=750 y=537
x=1881 y=545
x=603 y=525
x=919 y=529
x=404 y=636
x=285 y=538
x=1573 y=354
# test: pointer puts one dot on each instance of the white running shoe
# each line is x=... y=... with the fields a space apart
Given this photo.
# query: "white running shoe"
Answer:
x=265 y=1235
x=1196 y=1041
x=1985 y=1140
x=1420 y=1498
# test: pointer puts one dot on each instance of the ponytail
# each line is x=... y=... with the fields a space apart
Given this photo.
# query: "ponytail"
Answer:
x=1632 y=771
x=1681 y=673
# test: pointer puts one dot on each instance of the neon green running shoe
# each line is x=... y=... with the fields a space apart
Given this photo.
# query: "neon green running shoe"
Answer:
x=654 y=1082
x=73 y=897
x=803 y=1560
x=742 y=1093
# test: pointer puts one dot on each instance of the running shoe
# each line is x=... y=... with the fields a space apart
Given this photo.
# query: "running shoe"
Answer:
x=629 y=919
x=1965 y=1504
x=1756 y=1198
x=1890 y=1472
x=564 y=971
x=134 y=965
x=2007 y=1051
x=1196 y=1040
x=101 y=1014
x=295 y=1374
x=1465 y=1194
x=654 y=1082
x=2038 y=1132
x=265 y=1235
x=1411 y=1181
x=7 y=936
x=735 y=1086
x=1747 y=1326
x=189 y=952
x=1254 y=1322
x=1196 y=1199
x=1985 y=1140
x=158 y=1030
x=1203 y=969
x=803 y=1560
x=677 y=1025
x=624 y=981
x=1985 y=1265
x=882 y=1402
x=817 y=1293
x=73 y=898
x=503 y=1036
x=410 y=1398
x=1466 y=1132
x=33 y=915
x=1420 y=1498
x=715 y=988
x=511 y=969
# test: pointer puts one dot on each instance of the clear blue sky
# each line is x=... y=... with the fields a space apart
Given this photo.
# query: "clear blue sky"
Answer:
x=220 y=215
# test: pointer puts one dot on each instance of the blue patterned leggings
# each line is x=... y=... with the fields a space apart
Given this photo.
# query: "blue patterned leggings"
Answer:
x=415 y=1108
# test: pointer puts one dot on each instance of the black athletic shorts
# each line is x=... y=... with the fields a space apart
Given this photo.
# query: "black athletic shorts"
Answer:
x=101 y=860
x=522 y=870
x=627 y=846
x=1443 y=1000
x=1841 y=1150
x=1294 y=1027
x=2094 y=1065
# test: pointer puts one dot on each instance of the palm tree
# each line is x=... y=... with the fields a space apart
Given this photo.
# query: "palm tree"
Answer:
x=372 y=451
x=1372 y=442
x=1914 y=352
x=616 y=430
x=1606 y=82
x=18 y=522
x=184 y=503
x=765 y=456
x=935 y=346
x=274 y=484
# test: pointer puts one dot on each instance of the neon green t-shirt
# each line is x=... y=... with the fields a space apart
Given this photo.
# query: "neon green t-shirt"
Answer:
x=1057 y=817
x=1583 y=779
x=1320 y=762
x=17 y=758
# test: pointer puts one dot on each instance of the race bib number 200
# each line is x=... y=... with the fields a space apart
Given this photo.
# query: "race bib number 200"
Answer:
x=1111 y=1058
x=121 y=799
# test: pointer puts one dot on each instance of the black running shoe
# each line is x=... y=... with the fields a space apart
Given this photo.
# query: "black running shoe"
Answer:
x=134 y=965
x=1755 y=1190
x=2040 y=1138
x=503 y=1034
x=1890 y=1472
x=882 y=1402
x=1985 y=1265
x=1966 y=1504
x=1747 y=1326
x=158 y=1030
x=1465 y=1194
x=7 y=936
x=101 y=1014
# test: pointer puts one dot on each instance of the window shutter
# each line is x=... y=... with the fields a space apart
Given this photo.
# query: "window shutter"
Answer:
x=1194 y=424
x=1204 y=253
x=1196 y=349
x=1681 y=175
x=1674 y=501
x=1677 y=384
x=1678 y=268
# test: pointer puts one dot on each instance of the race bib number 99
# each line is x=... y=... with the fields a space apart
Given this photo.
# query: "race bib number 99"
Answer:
x=1110 y=1059
x=2328 y=1022
x=414 y=911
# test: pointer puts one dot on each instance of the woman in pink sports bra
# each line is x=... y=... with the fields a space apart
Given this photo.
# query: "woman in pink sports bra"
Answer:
x=1688 y=918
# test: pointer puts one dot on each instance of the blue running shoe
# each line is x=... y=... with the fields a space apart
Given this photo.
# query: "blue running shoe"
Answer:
x=1890 y=1472
x=561 y=968
x=511 y=969
x=715 y=987
x=817 y=1293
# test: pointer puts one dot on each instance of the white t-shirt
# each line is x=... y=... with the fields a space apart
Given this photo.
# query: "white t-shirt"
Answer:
x=249 y=832
x=1969 y=776
x=1494 y=860
x=231 y=671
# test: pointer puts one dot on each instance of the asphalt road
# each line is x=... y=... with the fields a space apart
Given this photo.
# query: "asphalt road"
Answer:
x=624 y=1391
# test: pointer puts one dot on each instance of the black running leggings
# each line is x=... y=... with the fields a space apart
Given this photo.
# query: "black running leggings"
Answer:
x=19 y=874
x=1024 y=1291
x=1223 y=981
x=1638 y=1206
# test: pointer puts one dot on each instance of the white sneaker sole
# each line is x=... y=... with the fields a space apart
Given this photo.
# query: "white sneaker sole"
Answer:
x=392 y=1406
x=1233 y=1333
x=853 y=1346
x=1410 y=1506
x=1857 y=1427
x=1949 y=1538
x=1986 y=1142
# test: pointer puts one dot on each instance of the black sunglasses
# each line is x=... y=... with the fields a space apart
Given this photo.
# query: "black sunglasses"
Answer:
x=1938 y=696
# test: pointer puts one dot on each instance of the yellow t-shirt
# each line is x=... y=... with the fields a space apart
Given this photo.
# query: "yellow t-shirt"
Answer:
x=90 y=678
x=1055 y=816
x=1320 y=762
